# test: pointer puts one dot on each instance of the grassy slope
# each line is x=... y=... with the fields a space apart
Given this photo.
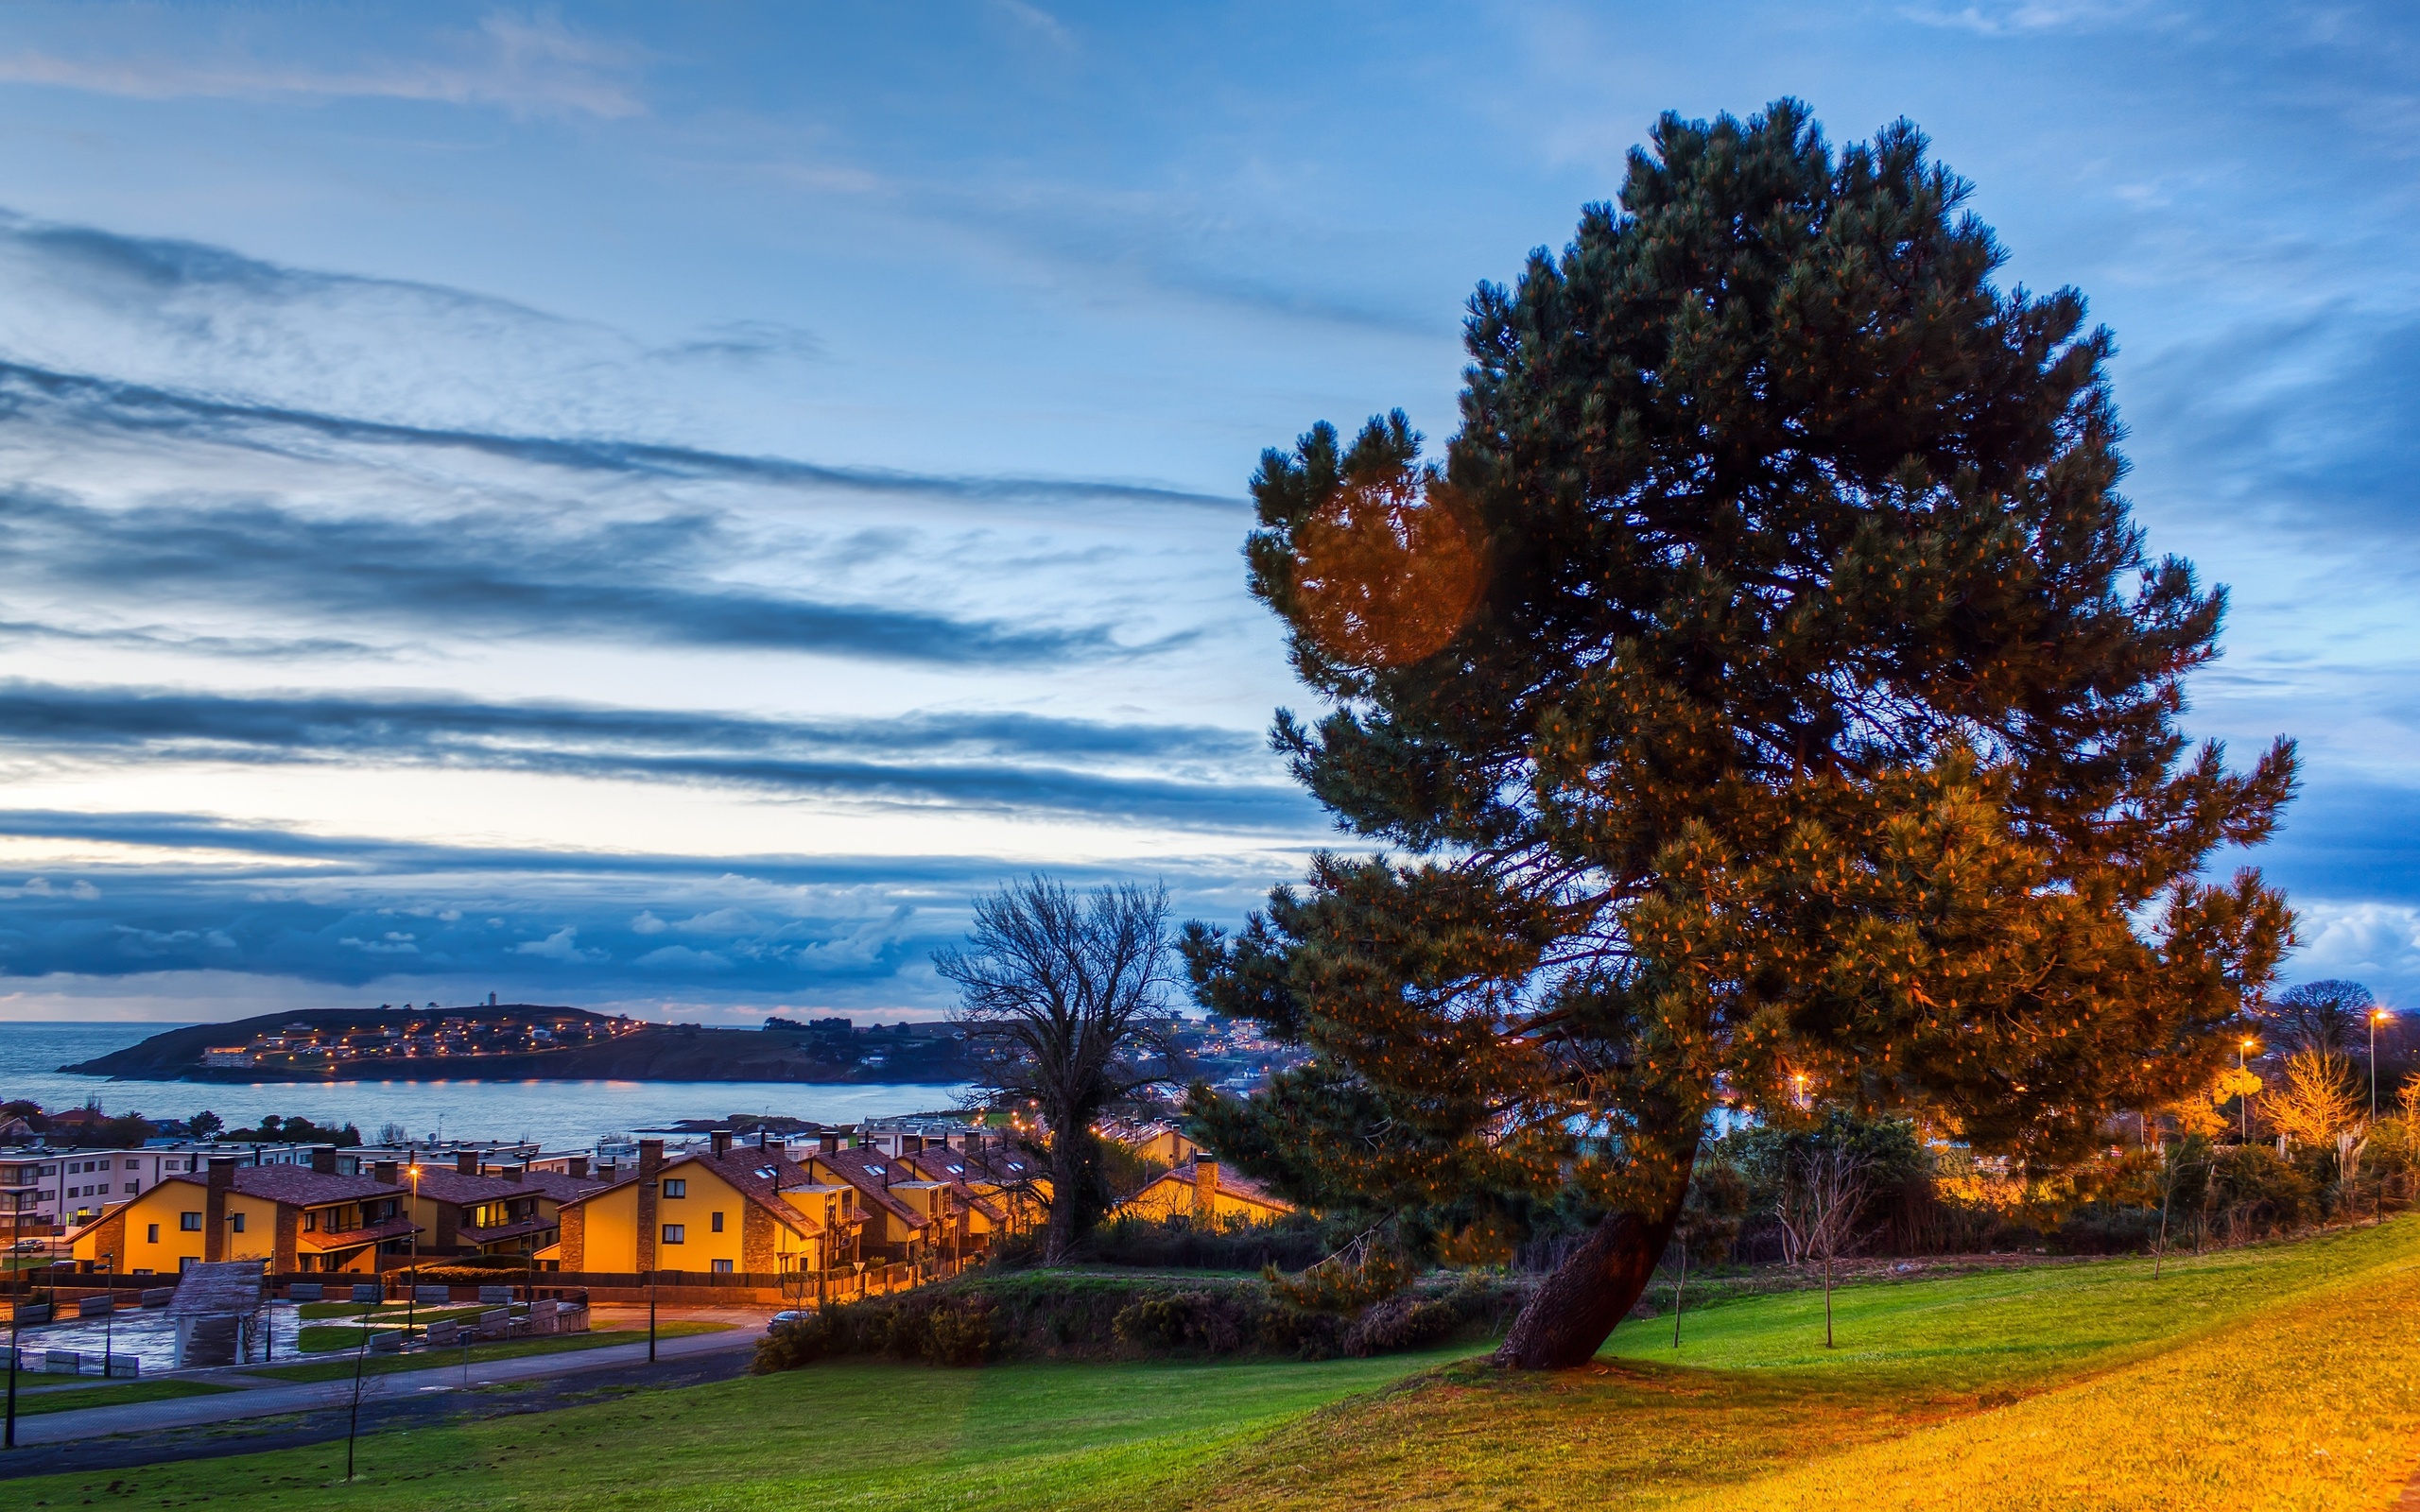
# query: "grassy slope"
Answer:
x=2230 y=1378
x=859 y=1435
x=2282 y=1376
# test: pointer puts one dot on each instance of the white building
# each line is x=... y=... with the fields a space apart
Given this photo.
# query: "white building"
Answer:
x=43 y=1191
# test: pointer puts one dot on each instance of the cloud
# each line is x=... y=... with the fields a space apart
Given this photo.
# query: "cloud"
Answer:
x=1191 y=773
x=748 y=342
x=645 y=581
x=2312 y=422
x=2005 y=18
x=540 y=925
x=528 y=65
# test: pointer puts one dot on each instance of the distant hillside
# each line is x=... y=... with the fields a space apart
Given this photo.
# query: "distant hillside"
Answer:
x=529 y=1041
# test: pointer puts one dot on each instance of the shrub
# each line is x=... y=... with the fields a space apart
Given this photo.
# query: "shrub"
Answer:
x=1398 y=1323
x=2106 y=1228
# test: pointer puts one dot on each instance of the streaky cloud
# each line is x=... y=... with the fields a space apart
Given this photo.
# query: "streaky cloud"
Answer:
x=986 y=760
x=631 y=581
x=106 y=402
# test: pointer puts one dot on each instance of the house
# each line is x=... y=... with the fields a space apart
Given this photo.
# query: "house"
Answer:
x=723 y=1209
x=1198 y=1189
x=1162 y=1144
x=464 y=1209
x=295 y=1218
x=43 y=1188
x=995 y=1184
x=908 y=1216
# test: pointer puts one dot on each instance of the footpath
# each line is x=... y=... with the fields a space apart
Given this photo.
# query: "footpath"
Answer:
x=268 y=1414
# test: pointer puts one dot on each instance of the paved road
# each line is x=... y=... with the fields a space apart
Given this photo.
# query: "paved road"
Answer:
x=198 y=1427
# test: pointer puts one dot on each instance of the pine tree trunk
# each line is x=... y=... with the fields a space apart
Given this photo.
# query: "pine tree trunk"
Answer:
x=1577 y=1306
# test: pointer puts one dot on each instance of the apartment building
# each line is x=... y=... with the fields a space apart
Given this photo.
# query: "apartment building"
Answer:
x=45 y=1191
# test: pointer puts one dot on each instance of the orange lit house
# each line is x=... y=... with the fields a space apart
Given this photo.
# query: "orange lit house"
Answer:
x=1198 y=1189
x=296 y=1219
x=727 y=1208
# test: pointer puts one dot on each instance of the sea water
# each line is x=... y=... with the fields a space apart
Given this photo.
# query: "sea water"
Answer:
x=558 y=1115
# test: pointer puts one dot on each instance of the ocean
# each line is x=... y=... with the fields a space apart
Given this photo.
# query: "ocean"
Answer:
x=555 y=1114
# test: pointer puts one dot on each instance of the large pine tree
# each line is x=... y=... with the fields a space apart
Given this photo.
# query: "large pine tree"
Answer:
x=1767 y=698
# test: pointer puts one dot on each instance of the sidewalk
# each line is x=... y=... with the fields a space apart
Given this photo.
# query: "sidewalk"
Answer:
x=261 y=1397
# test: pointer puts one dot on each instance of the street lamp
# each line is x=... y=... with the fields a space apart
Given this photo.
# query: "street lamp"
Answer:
x=2376 y=1014
x=109 y=1319
x=2243 y=1098
x=411 y=1298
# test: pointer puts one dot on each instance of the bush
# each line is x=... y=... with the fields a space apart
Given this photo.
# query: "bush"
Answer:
x=2107 y=1228
x=1401 y=1323
x=1077 y=1316
x=1179 y=1243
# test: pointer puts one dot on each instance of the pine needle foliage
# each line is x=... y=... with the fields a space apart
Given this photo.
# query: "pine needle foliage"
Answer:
x=1806 y=733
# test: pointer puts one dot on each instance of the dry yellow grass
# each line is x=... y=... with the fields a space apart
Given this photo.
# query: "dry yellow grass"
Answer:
x=2278 y=1377
x=2315 y=1406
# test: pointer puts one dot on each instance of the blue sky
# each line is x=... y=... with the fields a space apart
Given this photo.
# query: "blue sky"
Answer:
x=653 y=506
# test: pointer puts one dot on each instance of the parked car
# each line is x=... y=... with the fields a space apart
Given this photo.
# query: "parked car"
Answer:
x=787 y=1315
x=30 y=1243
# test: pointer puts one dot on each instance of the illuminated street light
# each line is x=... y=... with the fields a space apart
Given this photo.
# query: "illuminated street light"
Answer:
x=2376 y=1014
x=2243 y=1098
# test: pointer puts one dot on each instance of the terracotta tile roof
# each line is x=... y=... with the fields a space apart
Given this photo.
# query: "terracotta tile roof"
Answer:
x=758 y=1176
x=560 y=1187
x=445 y=1184
x=954 y=1167
x=872 y=1172
x=1231 y=1183
x=741 y=1168
x=297 y=1186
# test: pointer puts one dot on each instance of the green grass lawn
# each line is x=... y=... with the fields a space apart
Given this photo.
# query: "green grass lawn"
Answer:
x=378 y=1365
x=2285 y=1375
x=425 y=1311
x=116 y=1394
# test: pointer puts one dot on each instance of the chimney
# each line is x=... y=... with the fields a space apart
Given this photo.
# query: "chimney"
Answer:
x=383 y=1173
x=720 y=1139
x=1206 y=1187
x=513 y=1173
x=827 y=1144
x=324 y=1160
x=911 y=1144
x=466 y=1164
x=222 y=1171
x=651 y=1161
x=577 y=1165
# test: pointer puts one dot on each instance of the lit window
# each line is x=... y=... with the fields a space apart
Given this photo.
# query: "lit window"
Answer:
x=677 y=1187
x=676 y=1233
x=189 y=1222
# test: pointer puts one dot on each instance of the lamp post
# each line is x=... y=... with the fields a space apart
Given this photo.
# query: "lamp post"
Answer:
x=2243 y=1098
x=2376 y=1014
x=411 y=1297
x=109 y=1319
x=13 y=1316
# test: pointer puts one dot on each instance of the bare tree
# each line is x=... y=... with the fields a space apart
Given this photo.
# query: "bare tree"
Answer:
x=1818 y=1207
x=1063 y=997
x=2317 y=1102
x=2323 y=1015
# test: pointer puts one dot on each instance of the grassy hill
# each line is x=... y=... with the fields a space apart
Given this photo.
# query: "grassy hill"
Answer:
x=2279 y=1376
